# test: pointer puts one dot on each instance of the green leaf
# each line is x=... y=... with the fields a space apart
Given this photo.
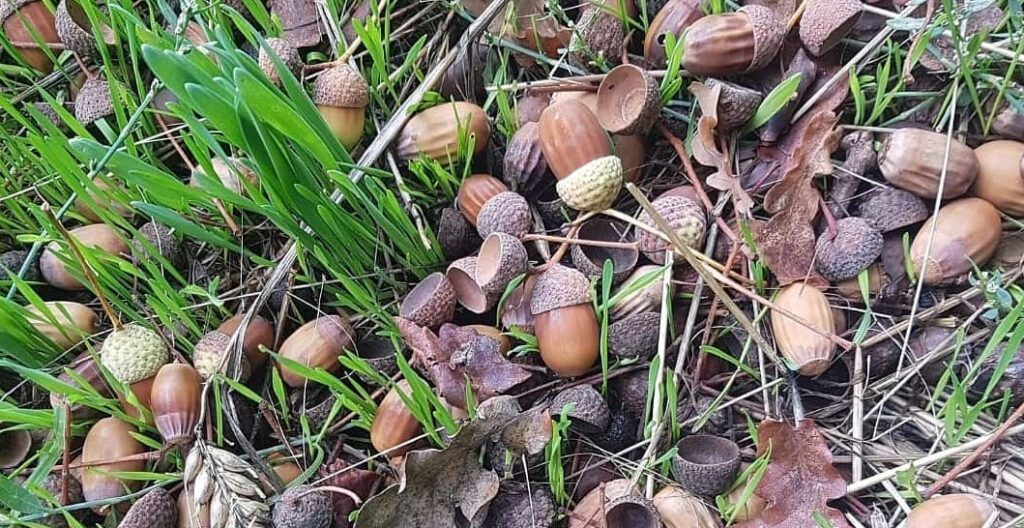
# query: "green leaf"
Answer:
x=17 y=498
x=778 y=98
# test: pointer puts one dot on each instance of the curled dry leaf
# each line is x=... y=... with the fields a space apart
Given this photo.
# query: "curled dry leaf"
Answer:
x=528 y=24
x=800 y=478
x=706 y=151
x=359 y=481
x=440 y=486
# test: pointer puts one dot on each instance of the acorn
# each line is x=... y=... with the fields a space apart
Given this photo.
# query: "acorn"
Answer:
x=590 y=259
x=736 y=103
x=628 y=100
x=525 y=166
x=731 y=43
x=589 y=412
x=286 y=53
x=505 y=212
x=109 y=439
x=341 y=95
x=642 y=299
x=912 y=159
x=259 y=333
x=633 y=153
x=97 y=236
x=155 y=509
x=1009 y=121
x=855 y=246
x=431 y=303
x=565 y=323
x=620 y=434
x=958 y=510
x=229 y=171
x=631 y=511
x=1000 y=178
x=531 y=105
x=706 y=464
x=825 y=23
x=456 y=235
x=587 y=97
x=208 y=356
x=462 y=275
x=966 y=235
x=675 y=17
x=175 y=401
x=679 y=509
x=103 y=197
x=84 y=367
x=685 y=216
x=65 y=323
x=888 y=209
x=806 y=351
x=76 y=32
x=502 y=258
x=133 y=353
x=850 y=288
x=1011 y=380
x=303 y=507
x=161 y=105
x=15 y=445
x=579 y=153
x=394 y=424
x=635 y=336
x=157 y=239
x=474 y=193
x=316 y=344
x=435 y=131
x=284 y=466
x=23 y=21
x=94 y=101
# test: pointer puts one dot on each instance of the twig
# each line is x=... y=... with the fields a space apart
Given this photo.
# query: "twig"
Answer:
x=985 y=45
x=579 y=241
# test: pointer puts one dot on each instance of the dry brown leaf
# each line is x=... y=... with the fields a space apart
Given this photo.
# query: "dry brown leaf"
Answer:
x=528 y=24
x=800 y=478
x=358 y=481
x=706 y=151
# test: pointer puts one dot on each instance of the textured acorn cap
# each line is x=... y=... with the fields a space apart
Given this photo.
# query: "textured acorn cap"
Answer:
x=303 y=507
x=505 y=212
x=635 y=335
x=594 y=186
x=889 y=209
x=525 y=167
x=54 y=484
x=288 y=55
x=621 y=431
x=628 y=100
x=769 y=30
x=590 y=259
x=456 y=235
x=590 y=413
x=685 y=216
x=855 y=246
x=631 y=511
x=502 y=257
x=462 y=275
x=133 y=353
x=13 y=260
x=558 y=287
x=341 y=86
x=827 y=22
x=75 y=37
x=162 y=239
x=156 y=509
x=431 y=303
x=736 y=104
x=601 y=33
x=94 y=101
x=706 y=464
x=50 y=113
x=210 y=351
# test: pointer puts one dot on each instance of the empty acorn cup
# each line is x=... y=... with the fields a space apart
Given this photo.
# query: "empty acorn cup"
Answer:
x=76 y=31
x=502 y=258
x=706 y=464
x=462 y=275
x=631 y=511
x=590 y=259
x=14 y=447
x=825 y=23
x=628 y=100
x=431 y=303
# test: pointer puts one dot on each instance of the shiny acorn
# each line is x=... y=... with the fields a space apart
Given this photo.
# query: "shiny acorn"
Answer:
x=97 y=236
x=913 y=159
x=1000 y=178
x=175 y=401
x=109 y=439
x=966 y=235
x=474 y=193
x=66 y=323
x=341 y=95
x=675 y=17
x=394 y=424
x=435 y=131
x=579 y=153
x=731 y=43
x=958 y=510
x=565 y=323
x=22 y=21
x=807 y=351
x=316 y=344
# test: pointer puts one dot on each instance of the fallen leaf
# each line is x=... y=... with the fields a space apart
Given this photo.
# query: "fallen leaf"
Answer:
x=359 y=481
x=706 y=151
x=799 y=480
x=528 y=24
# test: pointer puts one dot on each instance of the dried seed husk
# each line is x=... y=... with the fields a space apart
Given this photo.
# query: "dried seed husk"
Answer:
x=590 y=259
x=462 y=275
x=855 y=246
x=531 y=105
x=889 y=209
x=966 y=235
x=807 y=352
x=635 y=336
x=913 y=159
x=506 y=212
x=825 y=24
x=736 y=103
x=589 y=413
x=525 y=167
x=458 y=237
x=502 y=258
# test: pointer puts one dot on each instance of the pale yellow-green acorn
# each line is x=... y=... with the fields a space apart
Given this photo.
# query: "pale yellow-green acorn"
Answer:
x=133 y=353
x=341 y=95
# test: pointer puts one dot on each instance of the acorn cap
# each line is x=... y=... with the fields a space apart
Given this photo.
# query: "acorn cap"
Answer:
x=462 y=275
x=525 y=167
x=827 y=22
x=9 y=7
x=431 y=303
x=889 y=209
x=12 y=261
x=601 y=31
x=505 y=212
x=685 y=216
x=736 y=103
x=769 y=31
x=284 y=51
x=706 y=464
x=635 y=335
x=75 y=37
x=133 y=353
x=50 y=113
x=53 y=483
x=15 y=445
x=590 y=259
x=456 y=235
x=590 y=414
x=303 y=507
x=94 y=101
x=209 y=352
x=621 y=431
x=341 y=86
x=628 y=100
x=156 y=509
x=855 y=246
x=594 y=186
x=502 y=257
x=631 y=511
x=558 y=287
x=162 y=239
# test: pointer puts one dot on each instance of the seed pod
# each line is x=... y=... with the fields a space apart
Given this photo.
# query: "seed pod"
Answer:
x=589 y=413
x=631 y=511
x=628 y=100
x=855 y=246
x=825 y=24
x=260 y=333
x=434 y=132
x=736 y=104
x=341 y=95
x=76 y=32
x=174 y=399
x=679 y=509
x=133 y=353
x=890 y=209
x=286 y=53
x=731 y=43
x=431 y=303
x=966 y=235
x=579 y=153
x=470 y=295
x=674 y=18
x=912 y=159
x=565 y=323
x=807 y=351
x=685 y=216
x=502 y=258
x=505 y=212
x=531 y=105
x=316 y=344
x=474 y=193
x=209 y=353
x=109 y=439
x=394 y=424
x=22 y=21
x=1000 y=178
x=98 y=236
x=706 y=464
x=66 y=323
x=958 y=510
x=94 y=101
x=590 y=259
x=230 y=173
x=525 y=166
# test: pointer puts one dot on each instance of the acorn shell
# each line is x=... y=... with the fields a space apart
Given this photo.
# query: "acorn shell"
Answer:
x=21 y=21
x=635 y=336
x=568 y=338
x=631 y=511
x=456 y=235
x=1000 y=178
x=98 y=236
x=645 y=299
x=675 y=17
x=506 y=212
x=394 y=424
x=589 y=414
x=685 y=216
x=559 y=286
x=431 y=302
x=731 y=43
x=855 y=246
x=109 y=439
x=175 y=401
x=287 y=54
x=502 y=258
x=462 y=275
x=589 y=511
x=736 y=103
x=966 y=235
x=208 y=356
x=316 y=344
x=913 y=159
x=808 y=352
x=590 y=259
x=571 y=137
x=525 y=167
x=434 y=132
x=628 y=100
x=706 y=464
x=474 y=193
x=94 y=101
x=888 y=209
x=260 y=333
x=825 y=23
x=66 y=323
x=958 y=510
x=594 y=186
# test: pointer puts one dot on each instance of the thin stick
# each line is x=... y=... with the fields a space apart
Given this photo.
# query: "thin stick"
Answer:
x=580 y=241
x=985 y=45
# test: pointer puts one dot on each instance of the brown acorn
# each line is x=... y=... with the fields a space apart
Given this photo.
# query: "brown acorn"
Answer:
x=175 y=401
x=138 y=405
x=434 y=132
x=260 y=333
x=462 y=275
x=736 y=103
x=685 y=216
x=807 y=351
x=22 y=21
x=286 y=53
x=1000 y=178
x=675 y=17
x=431 y=302
x=94 y=101
x=590 y=259
x=706 y=464
x=109 y=439
x=579 y=153
x=889 y=209
x=825 y=23
x=316 y=344
x=230 y=173
x=506 y=212
x=394 y=424
x=732 y=43
x=15 y=445
x=565 y=323
x=913 y=159
x=679 y=509
x=76 y=31
x=502 y=258
x=633 y=153
x=958 y=510
x=66 y=323
x=474 y=193
x=525 y=166
x=103 y=197
x=341 y=95
x=209 y=353
x=97 y=236
x=628 y=100
x=966 y=235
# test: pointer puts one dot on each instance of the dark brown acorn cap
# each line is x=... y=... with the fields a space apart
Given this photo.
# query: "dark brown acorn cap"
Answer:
x=156 y=509
x=602 y=34
x=630 y=390
x=855 y=246
x=72 y=27
x=628 y=100
x=50 y=113
x=303 y=507
x=590 y=259
x=631 y=511
x=505 y=212
x=300 y=23
x=769 y=31
x=14 y=447
x=162 y=239
x=590 y=414
x=558 y=287
x=621 y=431
x=288 y=54
x=827 y=22
x=13 y=260
x=462 y=275
x=736 y=104
x=431 y=303
x=889 y=209
x=525 y=167
x=456 y=235
x=502 y=258
x=341 y=86
x=635 y=336
x=706 y=464
x=94 y=101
